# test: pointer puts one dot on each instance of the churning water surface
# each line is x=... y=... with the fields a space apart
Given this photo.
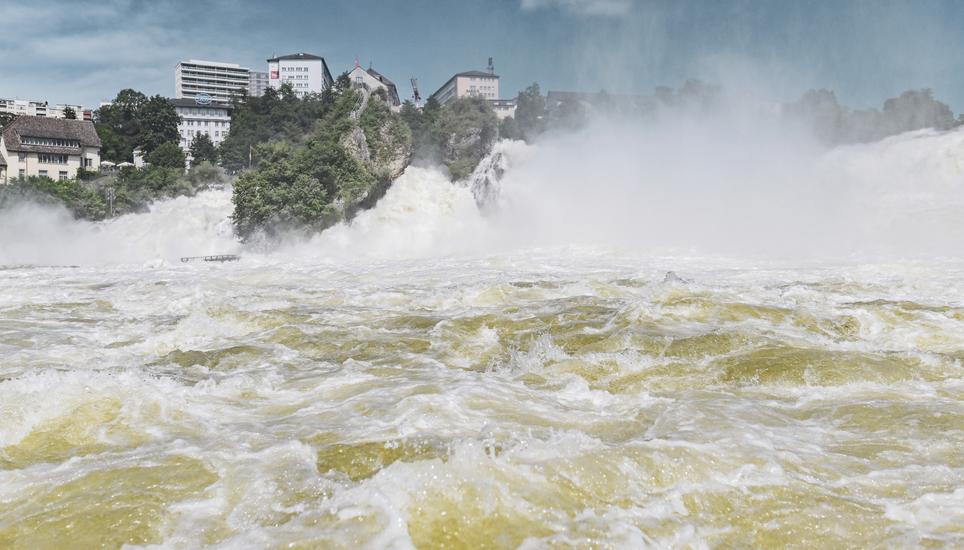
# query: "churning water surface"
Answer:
x=364 y=389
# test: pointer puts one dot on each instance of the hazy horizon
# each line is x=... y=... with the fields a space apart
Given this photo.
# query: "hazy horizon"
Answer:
x=865 y=51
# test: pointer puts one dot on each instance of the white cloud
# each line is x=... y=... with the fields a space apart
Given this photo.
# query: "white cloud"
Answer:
x=610 y=8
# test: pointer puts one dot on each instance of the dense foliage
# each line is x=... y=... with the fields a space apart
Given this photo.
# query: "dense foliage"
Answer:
x=132 y=121
x=314 y=184
x=278 y=115
x=457 y=135
x=134 y=189
x=167 y=155
x=203 y=150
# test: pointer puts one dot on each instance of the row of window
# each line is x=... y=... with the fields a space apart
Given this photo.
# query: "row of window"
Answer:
x=294 y=69
x=216 y=123
x=44 y=174
x=205 y=112
x=296 y=77
x=49 y=142
x=192 y=133
x=44 y=158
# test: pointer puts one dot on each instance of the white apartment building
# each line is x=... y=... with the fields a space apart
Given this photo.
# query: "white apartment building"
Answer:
x=49 y=147
x=257 y=83
x=23 y=107
x=470 y=83
x=219 y=81
x=307 y=74
x=374 y=81
x=199 y=116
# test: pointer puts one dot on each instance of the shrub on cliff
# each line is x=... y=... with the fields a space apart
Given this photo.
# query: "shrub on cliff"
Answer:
x=457 y=135
x=344 y=165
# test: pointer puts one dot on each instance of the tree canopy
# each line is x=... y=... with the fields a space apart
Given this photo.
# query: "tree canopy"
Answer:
x=167 y=155
x=203 y=150
x=133 y=120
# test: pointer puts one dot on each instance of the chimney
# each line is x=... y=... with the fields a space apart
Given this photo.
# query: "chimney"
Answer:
x=491 y=67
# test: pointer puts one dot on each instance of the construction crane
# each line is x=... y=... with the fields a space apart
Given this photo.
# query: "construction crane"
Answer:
x=415 y=94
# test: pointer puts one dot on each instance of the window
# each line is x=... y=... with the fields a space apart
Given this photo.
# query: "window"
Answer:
x=88 y=163
x=52 y=159
x=43 y=173
x=22 y=156
x=23 y=173
x=49 y=142
x=63 y=175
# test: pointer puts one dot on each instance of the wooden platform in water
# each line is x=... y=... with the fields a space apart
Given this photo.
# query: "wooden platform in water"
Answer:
x=215 y=258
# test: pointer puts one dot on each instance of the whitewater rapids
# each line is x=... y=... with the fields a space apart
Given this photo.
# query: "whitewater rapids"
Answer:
x=433 y=377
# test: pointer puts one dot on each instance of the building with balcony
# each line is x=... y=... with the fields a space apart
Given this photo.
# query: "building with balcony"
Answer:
x=50 y=147
x=375 y=81
x=23 y=107
x=210 y=79
x=306 y=73
x=199 y=116
x=257 y=83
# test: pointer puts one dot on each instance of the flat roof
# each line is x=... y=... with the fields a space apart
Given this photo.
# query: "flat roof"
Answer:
x=213 y=63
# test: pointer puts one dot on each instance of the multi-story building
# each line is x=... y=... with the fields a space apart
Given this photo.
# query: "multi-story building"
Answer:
x=504 y=108
x=257 y=83
x=23 y=107
x=50 y=147
x=59 y=111
x=307 y=74
x=199 y=116
x=483 y=84
x=374 y=81
x=219 y=81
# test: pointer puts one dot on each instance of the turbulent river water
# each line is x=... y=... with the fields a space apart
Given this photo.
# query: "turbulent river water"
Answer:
x=421 y=379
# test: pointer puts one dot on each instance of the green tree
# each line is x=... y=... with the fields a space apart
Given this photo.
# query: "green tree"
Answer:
x=70 y=113
x=277 y=115
x=342 y=83
x=167 y=155
x=530 y=112
x=6 y=118
x=158 y=121
x=134 y=120
x=203 y=150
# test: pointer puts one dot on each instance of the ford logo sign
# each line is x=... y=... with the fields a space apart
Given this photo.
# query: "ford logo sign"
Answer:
x=202 y=99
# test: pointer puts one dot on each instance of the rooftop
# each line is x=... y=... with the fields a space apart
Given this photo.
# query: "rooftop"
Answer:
x=213 y=63
x=54 y=128
x=478 y=74
x=297 y=57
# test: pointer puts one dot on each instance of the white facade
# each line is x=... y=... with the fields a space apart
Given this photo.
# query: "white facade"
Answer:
x=504 y=108
x=23 y=107
x=469 y=84
x=219 y=81
x=198 y=117
x=257 y=83
x=375 y=81
x=40 y=146
x=307 y=74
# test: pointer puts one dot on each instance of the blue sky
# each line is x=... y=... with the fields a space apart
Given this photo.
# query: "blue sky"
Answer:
x=75 y=51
